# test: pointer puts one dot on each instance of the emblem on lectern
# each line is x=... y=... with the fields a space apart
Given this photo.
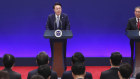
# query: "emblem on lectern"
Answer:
x=58 y=33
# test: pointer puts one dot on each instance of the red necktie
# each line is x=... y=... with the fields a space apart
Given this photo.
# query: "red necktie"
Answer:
x=138 y=23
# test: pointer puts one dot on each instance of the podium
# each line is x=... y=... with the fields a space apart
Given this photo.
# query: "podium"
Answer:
x=134 y=34
x=58 y=49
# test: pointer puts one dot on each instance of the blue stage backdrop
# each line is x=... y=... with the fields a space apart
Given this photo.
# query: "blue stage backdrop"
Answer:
x=98 y=26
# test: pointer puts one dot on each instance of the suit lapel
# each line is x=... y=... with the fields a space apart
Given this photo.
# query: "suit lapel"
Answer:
x=54 y=23
x=53 y=17
x=60 y=22
x=61 y=17
x=135 y=22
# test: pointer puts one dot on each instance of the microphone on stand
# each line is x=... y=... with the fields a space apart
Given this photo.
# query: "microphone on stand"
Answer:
x=61 y=24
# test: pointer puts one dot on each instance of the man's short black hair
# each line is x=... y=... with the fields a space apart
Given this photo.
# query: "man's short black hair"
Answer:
x=78 y=58
x=8 y=60
x=57 y=3
x=125 y=70
x=78 y=69
x=44 y=70
x=37 y=77
x=116 y=58
x=4 y=75
x=42 y=58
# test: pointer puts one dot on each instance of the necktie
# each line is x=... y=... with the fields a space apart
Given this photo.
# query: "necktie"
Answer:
x=138 y=23
x=57 y=21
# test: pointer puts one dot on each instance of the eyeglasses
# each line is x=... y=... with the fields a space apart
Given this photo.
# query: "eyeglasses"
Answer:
x=137 y=11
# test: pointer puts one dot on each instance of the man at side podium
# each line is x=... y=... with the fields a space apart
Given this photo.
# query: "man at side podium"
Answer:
x=58 y=20
x=134 y=24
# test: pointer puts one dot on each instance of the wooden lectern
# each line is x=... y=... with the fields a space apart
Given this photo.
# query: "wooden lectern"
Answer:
x=58 y=48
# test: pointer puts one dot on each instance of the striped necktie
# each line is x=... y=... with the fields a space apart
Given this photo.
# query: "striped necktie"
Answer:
x=57 y=21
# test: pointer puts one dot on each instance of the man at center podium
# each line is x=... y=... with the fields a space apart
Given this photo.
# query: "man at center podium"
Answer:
x=58 y=20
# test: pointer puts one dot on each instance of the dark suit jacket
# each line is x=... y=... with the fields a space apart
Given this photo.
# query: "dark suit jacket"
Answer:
x=68 y=75
x=132 y=24
x=110 y=74
x=33 y=72
x=12 y=74
x=63 y=24
x=138 y=76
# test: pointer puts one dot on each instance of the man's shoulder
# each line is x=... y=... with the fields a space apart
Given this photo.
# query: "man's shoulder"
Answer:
x=133 y=18
x=53 y=72
x=64 y=14
x=88 y=73
x=53 y=75
x=67 y=75
x=33 y=71
x=51 y=15
x=16 y=73
x=12 y=72
x=110 y=71
x=67 y=72
x=106 y=72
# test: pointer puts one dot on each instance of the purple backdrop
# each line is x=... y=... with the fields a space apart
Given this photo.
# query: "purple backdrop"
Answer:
x=98 y=26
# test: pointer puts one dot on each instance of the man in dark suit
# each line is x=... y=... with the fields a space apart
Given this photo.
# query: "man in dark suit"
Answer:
x=133 y=24
x=58 y=20
x=125 y=71
x=8 y=61
x=115 y=60
x=4 y=75
x=76 y=58
x=55 y=21
x=42 y=58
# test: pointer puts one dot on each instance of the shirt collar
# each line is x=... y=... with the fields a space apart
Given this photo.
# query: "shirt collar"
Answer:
x=137 y=19
x=56 y=16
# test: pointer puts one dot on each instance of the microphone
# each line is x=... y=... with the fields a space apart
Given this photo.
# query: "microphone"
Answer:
x=61 y=23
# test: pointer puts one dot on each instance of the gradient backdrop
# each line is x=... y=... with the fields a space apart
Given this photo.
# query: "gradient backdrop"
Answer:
x=98 y=26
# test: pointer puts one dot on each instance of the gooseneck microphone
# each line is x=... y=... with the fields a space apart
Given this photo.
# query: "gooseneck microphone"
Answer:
x=61 y=24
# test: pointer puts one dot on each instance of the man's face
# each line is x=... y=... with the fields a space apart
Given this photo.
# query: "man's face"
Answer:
x=57 y=9
x=137 y=12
